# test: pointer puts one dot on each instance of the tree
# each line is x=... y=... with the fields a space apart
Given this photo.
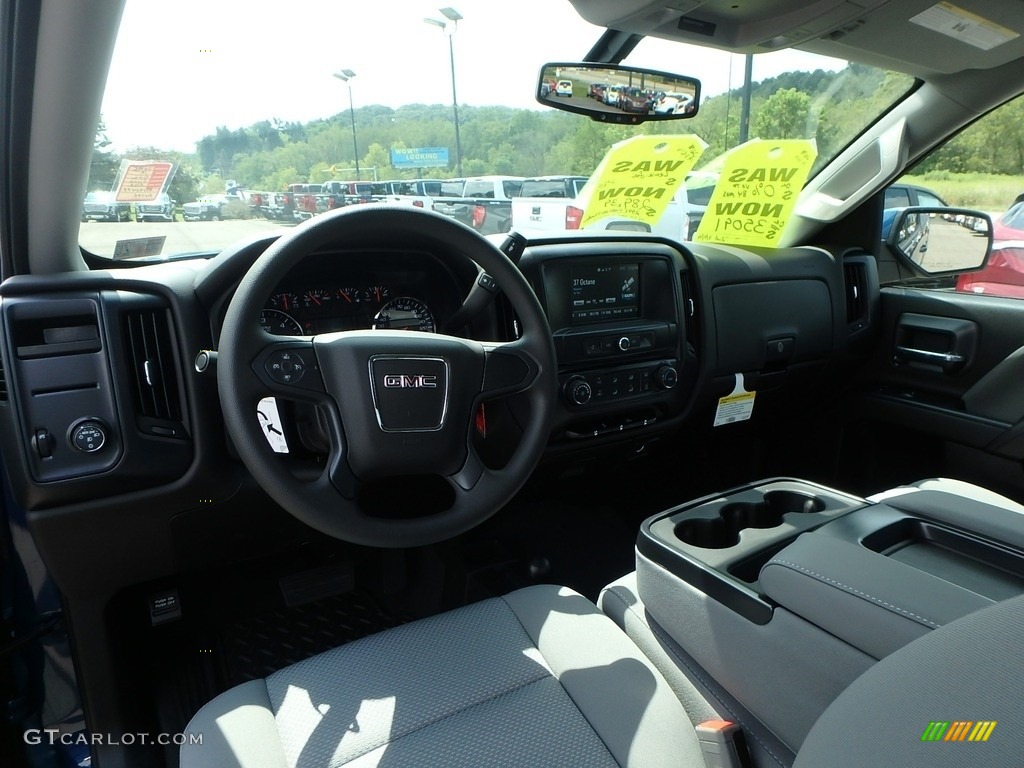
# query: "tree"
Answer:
x=104 y=166
x=377 y=157
x=785 y=115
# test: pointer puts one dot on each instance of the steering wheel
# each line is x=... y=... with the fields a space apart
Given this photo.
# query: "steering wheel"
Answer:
x=397 y=403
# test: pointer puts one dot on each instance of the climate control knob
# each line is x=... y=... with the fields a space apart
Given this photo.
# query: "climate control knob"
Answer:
x=666 y=377
x=578 y=391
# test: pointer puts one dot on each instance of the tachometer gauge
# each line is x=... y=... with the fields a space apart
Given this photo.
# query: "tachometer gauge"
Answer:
x=405 y=314
x=280 y=323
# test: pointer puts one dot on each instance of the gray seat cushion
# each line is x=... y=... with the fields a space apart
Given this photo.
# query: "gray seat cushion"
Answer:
x=968 y=671
x=539 y=677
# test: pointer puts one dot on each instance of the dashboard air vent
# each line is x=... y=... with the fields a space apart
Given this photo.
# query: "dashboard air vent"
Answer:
x=691 y=311
x=151 y=358
x=856 y=278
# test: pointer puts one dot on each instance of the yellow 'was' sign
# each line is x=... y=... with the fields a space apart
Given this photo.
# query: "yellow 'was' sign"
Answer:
x=638 y=178
x=756 y=193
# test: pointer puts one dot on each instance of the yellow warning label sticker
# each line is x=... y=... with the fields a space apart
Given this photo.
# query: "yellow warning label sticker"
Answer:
x=736 y=406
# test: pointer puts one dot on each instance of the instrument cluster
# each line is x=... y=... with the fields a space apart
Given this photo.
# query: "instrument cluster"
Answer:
x=308 y=310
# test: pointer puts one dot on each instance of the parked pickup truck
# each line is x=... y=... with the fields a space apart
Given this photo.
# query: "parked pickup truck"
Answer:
x=216 y=208
x=550 y=204
x=422 y=193
x=485 y=205
x=545 y=205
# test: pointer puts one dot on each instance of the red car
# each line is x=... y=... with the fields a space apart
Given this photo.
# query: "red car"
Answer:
x=635 y=100
x=1003 y=275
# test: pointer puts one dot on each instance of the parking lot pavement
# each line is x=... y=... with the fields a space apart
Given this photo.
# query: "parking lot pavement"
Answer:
x=100 y=237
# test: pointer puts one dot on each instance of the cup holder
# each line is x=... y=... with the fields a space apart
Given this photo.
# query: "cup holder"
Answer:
x=793 y=501
x=708 y=533
x=724 y=531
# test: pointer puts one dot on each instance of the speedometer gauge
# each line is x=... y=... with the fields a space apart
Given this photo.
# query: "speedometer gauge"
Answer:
x=405 y=314
x=279 y=323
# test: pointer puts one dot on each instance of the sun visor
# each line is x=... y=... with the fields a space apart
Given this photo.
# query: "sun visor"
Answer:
x=747 y=27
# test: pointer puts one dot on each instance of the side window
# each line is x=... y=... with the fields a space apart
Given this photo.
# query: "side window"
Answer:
x=977 y=170
x=482 y=189
x=897 y=198
x=927 y=198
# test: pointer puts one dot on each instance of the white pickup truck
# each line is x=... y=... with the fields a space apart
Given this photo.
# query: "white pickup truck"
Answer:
x=547 y=206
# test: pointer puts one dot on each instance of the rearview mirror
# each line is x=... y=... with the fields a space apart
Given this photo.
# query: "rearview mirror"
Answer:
x=940 y=241
x=618 y=94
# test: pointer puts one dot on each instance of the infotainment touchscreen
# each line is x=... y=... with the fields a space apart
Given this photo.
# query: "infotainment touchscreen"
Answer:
x=604 y=291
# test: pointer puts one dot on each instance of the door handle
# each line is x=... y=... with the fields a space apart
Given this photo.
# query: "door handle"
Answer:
x=926 y=356
x=934 y=343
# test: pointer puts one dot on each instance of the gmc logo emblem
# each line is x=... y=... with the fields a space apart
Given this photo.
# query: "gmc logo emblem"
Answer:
x=407 y=381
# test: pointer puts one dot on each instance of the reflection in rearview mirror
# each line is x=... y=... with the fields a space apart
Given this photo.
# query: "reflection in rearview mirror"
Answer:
x=618 y=94
x=942 y=241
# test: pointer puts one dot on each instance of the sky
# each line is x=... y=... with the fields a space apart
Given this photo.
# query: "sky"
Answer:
x=181 y=69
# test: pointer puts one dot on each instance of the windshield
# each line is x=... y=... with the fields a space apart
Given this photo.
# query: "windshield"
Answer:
x=259 y=133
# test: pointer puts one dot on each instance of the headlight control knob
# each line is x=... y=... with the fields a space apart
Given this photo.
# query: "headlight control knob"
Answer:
x=577 y=391
x=88 y=436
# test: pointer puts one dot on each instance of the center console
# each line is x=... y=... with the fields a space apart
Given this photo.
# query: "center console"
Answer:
x=614 y=309
x=785 y=591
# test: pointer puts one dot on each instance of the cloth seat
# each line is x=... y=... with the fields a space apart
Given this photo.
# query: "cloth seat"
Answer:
x=947 y=489
x=538 y=677
x=960 y=504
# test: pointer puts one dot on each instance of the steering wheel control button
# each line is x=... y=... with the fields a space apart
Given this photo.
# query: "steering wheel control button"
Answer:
x=410 y=394
x=286 y=367
x=487 y=282
x=88 y=436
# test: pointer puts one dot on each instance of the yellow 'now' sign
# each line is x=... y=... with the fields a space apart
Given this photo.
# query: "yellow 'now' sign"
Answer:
x=755 y=195
x=639 y=177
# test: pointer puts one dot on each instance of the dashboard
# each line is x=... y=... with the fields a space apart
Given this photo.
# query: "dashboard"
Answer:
x=649 y=335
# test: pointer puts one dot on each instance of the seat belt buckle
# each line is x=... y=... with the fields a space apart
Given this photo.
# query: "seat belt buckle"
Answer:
x=722 y=744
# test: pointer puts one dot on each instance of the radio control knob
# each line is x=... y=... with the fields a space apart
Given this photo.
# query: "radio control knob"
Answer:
x=624 y=343
x=666 y=377
x=578 y=391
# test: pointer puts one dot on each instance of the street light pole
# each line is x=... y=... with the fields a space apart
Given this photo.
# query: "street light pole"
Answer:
x=346 y=76
x=449 y=28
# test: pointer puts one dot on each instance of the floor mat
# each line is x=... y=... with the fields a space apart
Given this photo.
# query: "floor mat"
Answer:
x=255 y=646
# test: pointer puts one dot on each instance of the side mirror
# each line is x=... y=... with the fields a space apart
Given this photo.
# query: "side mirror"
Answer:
x=940 y=241
x=618 y=94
